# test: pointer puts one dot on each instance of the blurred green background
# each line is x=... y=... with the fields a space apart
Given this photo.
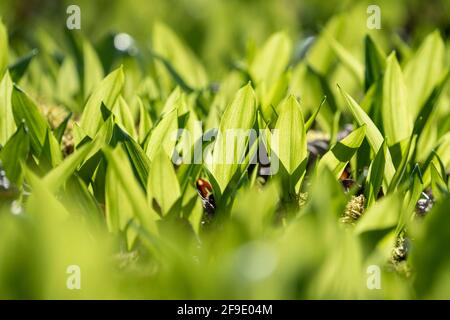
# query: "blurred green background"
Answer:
x=219 y=30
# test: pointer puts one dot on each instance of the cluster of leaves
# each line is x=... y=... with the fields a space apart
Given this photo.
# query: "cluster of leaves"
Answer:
x=87 y=176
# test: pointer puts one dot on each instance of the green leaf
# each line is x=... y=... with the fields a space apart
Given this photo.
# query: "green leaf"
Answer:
x=50 y=155
x=67 y=85
x=321 y=55
x=163 y=183
x=175 y=53
x=163 y=134
x=438 y=185
x=291 y=145
x=373 y=135
x=92 y=69
x=277 y=50
x=56 y=177
x=397 y=117
x=422 y=119
x=25 y=110
x=412 y=195
x=424 y=70
x=107 y=92
x=428 y=256
x=262 y=203
x=430 y=104
x=374 y=179
x=14 y=152
x=271 y=95
x=59 y=131
x=381 y=215
x=233 y=136
x=319 y=86
x=78 y=134
x=41 y=198
x=120 y=178
x=405 y=156
x=173 y=73
x=375 y=61
x=124 y=117
x=78 y=200
x=18 y=68
x=340 y=154
x=119 y=209
x=145 y=121
x=7 y=124
x=346 y=58
x=443 y=150
x=313 y=117
x=3 y=48
x=139 y=160
x=399 y=151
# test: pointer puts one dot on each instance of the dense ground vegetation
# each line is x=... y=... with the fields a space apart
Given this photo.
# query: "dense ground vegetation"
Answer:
x=355 y=123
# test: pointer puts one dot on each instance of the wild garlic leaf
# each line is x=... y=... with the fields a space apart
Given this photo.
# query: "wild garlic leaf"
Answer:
x=20 y=66
x=233 y=136
x=163 y=134
x=373 y=135
x=7 y=124
x=3 y=49
x=375 y=61
x=291 y=145
x=106 y=92
x=348 y=60
x=395 y=111
x=92 y=68
x=163 y=183
x=145 y=121
x=25 y=110
x=276 y=49
x=57 y=176
x=424 y=70
x=14 y=153
x=374 y=178
x=340 y=154
x=175 y=53
x=384 y=214
x=124 y=117
x=119 y=172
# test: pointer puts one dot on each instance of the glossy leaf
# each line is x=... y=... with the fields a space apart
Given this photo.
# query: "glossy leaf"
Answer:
x=233 y=136
x=92 y=69
x=347 y=59
x=276 y=49
x=107 y=92
x=291 y=144
x=18 y=68
x=374 y=179
x=25 y=110
x=340 y=154
x=15 y=152
x=7 y=124
x=163 y=183
x=175 y=53
x=375 y=61
x=373 y=135
x=424 y=70
x=3 y=48
x=124 y=116
x=120 y=178
x=383 y=215
x=396 y=115
x=56 y=177
x=163 y=134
